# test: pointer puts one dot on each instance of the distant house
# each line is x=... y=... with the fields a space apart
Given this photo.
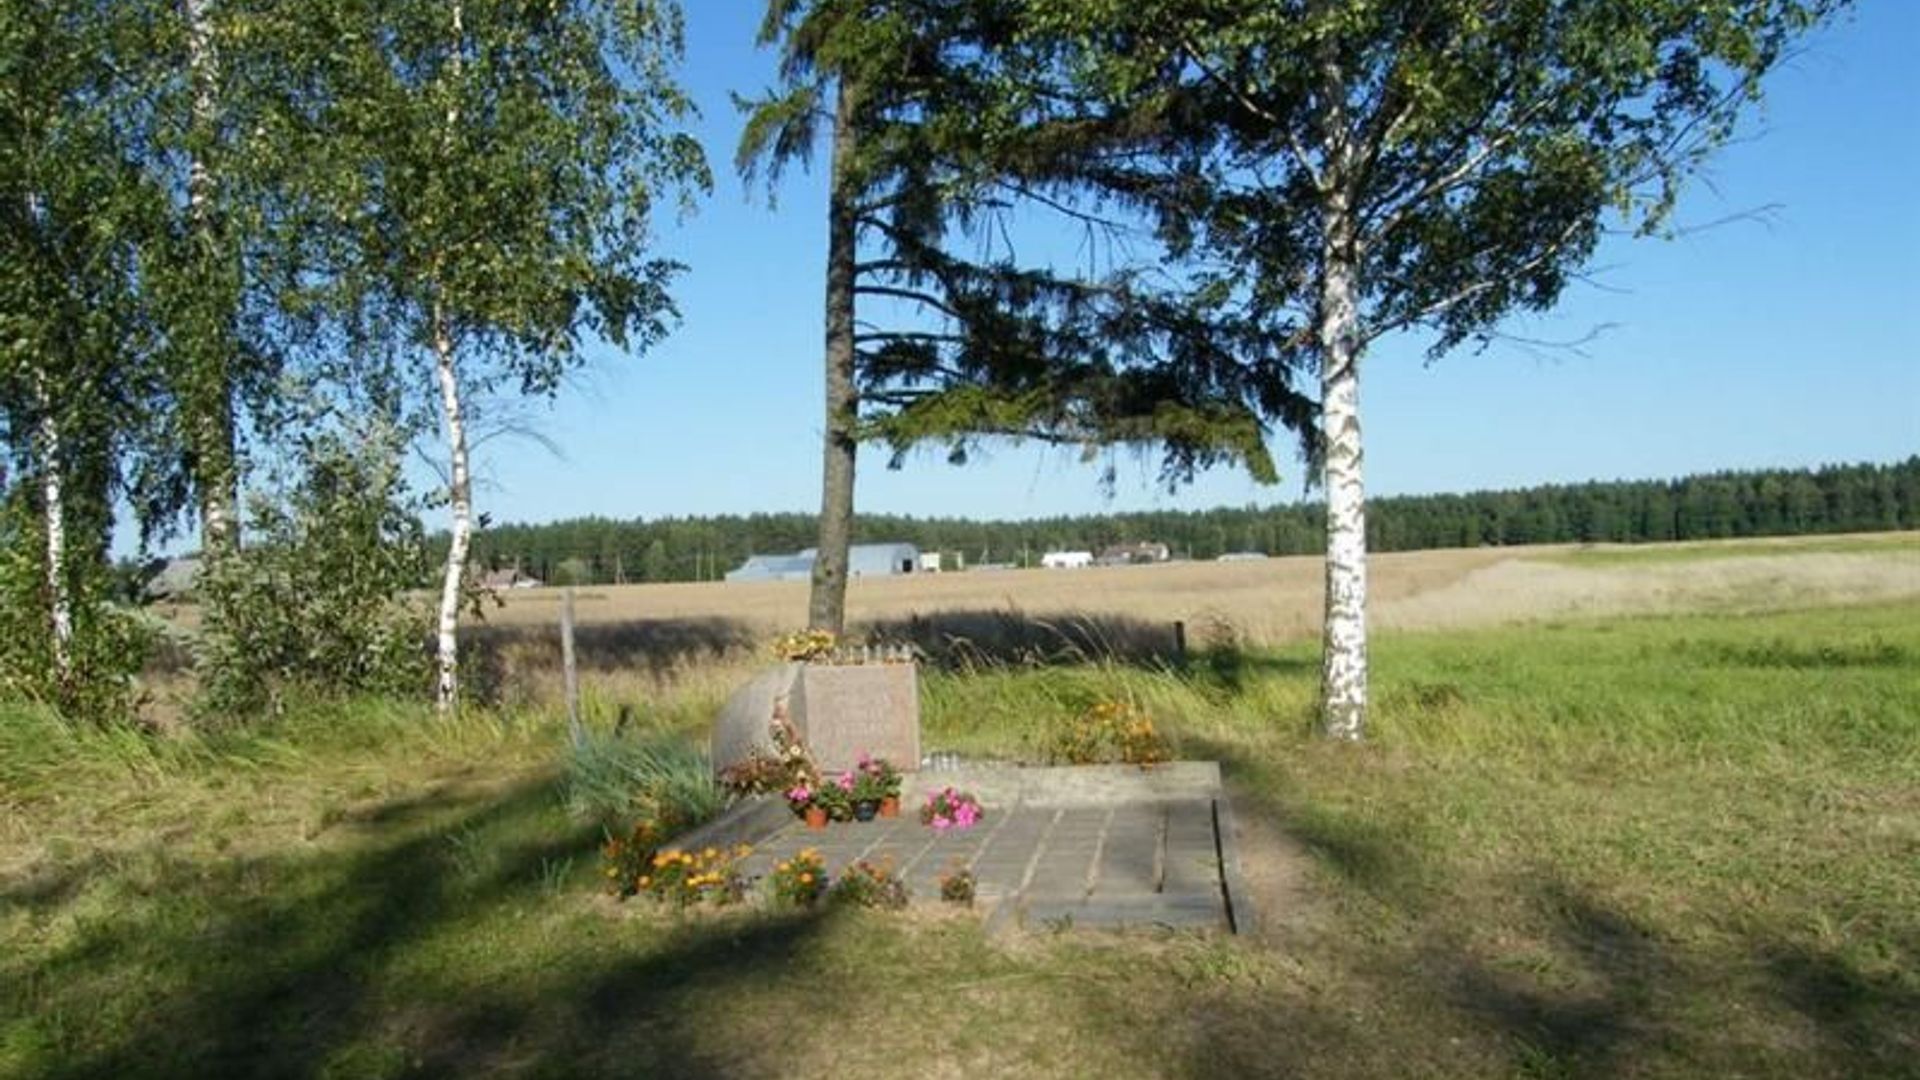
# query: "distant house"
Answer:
x=175 y=581
x=1066 y=560
x=1127 y=554
x=513 y=578
x=863 y=560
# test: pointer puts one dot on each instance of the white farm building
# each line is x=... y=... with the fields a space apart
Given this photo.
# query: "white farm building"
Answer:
x=1066 y=560
x=863 y=560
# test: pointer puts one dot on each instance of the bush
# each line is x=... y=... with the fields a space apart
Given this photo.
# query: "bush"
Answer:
x=801 y=880
x=1108 y=732
x=873 y=885
x=315 y=604
x=957 y=886
x=685 y=878
x=110 y=642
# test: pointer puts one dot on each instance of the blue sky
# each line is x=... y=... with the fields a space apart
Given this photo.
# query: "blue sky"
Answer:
x=1785 y=343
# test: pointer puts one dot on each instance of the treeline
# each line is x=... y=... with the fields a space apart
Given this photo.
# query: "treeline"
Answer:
x=1774 y=502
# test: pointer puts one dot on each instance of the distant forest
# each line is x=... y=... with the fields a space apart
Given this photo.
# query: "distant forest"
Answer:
x=1775 y=502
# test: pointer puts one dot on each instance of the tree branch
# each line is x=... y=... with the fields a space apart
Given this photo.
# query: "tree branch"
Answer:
x=924 y=299
x=1468 y=292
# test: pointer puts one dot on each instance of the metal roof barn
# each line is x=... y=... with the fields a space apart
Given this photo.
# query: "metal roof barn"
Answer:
x=864 y=560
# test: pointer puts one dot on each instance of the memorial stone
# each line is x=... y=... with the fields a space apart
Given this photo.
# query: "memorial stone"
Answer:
x=746 y=719
x=844 y=710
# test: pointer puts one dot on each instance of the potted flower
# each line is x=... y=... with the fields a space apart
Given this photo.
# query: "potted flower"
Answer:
x=951 y=809
x=805 y=801
x=868 y=790
x=882 y=783
x=834 y=795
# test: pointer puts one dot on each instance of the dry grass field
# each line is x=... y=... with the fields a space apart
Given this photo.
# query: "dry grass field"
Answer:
x=1278 y=600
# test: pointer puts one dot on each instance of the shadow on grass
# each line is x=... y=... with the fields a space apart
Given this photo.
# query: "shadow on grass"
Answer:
x=376 y=959
x=1554 y=981
x=493 y=656
x=964 y=640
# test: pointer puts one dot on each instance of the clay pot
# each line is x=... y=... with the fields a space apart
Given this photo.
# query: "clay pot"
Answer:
x=816 y=817
x=890 y=806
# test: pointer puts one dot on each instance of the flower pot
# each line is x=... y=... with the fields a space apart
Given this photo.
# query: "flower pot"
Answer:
x=865 y=809
x=816 y=817
x=890 y=806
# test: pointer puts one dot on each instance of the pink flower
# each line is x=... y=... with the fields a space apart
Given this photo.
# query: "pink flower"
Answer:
x=800 y=793
x=845 y=781
x=940 y=822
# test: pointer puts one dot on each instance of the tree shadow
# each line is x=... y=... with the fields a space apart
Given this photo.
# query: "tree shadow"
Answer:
x=966 y=640
x=495 y=658
x=1576 y=987
x=1869 y=1021
x=284 y=965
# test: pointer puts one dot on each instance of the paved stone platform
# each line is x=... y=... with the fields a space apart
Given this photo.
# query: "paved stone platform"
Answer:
x=1058 y=847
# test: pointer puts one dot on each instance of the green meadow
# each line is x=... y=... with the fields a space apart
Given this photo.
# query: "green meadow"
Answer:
x=1674 y=846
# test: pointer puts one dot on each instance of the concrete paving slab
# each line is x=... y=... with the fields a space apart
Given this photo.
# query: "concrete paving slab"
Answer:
x=1099 y=846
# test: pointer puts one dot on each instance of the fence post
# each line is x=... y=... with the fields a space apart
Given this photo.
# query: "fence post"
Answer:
x=569 y=671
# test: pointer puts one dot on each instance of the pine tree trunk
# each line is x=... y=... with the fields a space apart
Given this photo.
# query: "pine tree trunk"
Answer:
x=460 y=499
x=1343 y=674
x=827 y=604
x=53 y=500
x=212 y=432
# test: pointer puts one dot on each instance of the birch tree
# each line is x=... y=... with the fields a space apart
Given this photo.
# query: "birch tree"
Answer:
x=78 y=388
x=1363 y=169
x=497 y=166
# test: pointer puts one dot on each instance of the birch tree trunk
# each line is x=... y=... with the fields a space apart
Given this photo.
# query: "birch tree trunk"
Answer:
x=1343 y=673
x=212 y=428
x=53 y=498
x=827 y=603
x=460 y=501
x=459 y=478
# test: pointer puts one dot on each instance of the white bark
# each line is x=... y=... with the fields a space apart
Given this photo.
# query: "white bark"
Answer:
x=460 y=502
x=460 y=481
x=214 y=434
x=1343 y=671
x=59 y=601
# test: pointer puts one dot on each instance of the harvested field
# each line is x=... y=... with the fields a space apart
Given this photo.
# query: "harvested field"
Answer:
x=1276 y=600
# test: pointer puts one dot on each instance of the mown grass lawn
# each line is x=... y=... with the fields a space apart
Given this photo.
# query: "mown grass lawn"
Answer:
x=1658 y=847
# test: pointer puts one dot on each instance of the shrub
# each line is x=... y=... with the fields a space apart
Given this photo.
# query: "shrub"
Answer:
x=801 y=880
x=629 y=859
x=109 y=646
x=315 y=604
x=1108 y=732
x=873 y=885
x=686 y=878
x=957 y=886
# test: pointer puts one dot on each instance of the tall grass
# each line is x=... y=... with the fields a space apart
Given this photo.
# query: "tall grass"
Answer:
x=617 y=778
